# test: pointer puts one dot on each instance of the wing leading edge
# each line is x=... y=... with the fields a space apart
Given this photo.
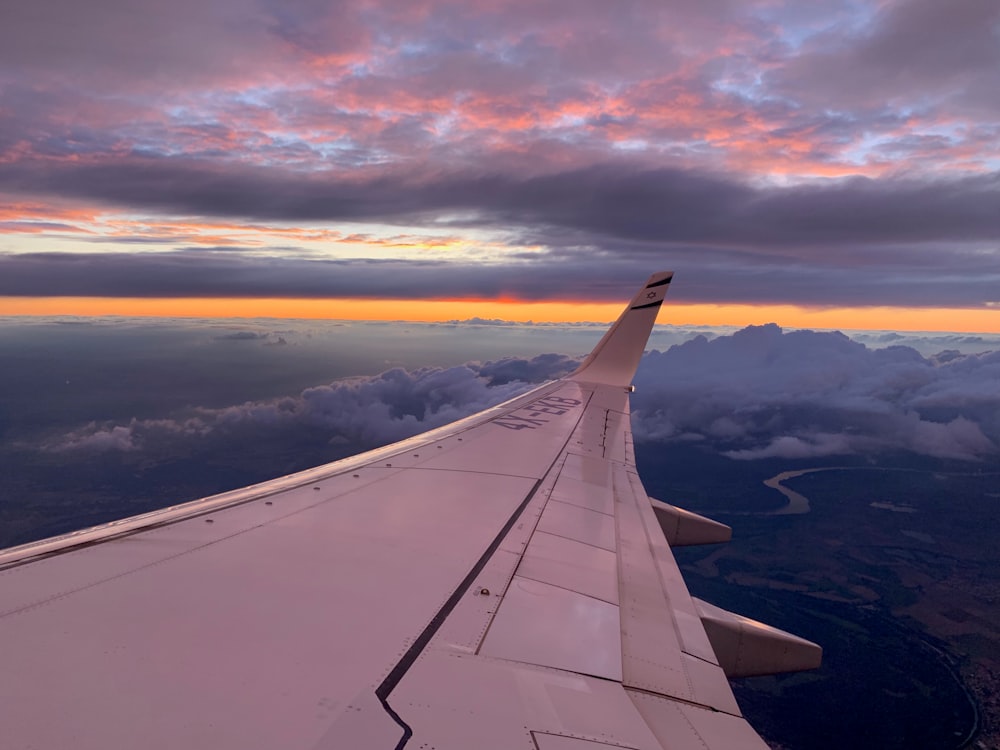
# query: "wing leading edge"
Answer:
x=498 y=582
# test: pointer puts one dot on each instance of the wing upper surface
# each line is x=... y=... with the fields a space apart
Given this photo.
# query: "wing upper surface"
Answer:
x=498 y=582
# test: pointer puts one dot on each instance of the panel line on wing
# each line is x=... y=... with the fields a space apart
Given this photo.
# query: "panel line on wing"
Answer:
x=571 y=557
x=392 y=679
x=577 y=505
x=570 y=537
x=571 y=564
x=565 y=587
x=649 y=625
x=588 y=472
x=532 y=622
x=449 y=470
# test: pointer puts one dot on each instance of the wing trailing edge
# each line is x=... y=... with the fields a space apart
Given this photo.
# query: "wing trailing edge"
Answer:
x=616 y=356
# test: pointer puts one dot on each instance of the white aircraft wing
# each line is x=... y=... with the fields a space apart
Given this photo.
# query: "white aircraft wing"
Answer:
x=502 y=582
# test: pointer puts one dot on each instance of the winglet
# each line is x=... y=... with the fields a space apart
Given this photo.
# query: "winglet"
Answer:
x=616 y=356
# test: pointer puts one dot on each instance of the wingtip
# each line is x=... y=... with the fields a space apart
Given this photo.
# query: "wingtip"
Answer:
x=660 y=278
x=615 y=358
x=650 y=294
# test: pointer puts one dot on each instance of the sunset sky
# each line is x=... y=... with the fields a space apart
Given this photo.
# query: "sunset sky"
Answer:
x=826 y=163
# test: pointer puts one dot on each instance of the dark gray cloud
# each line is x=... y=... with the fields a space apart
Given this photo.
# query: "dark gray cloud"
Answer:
x=938 y=276
x=621 y=200
x=898 y=241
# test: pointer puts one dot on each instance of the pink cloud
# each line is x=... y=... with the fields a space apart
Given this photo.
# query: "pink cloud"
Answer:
x=693 y=84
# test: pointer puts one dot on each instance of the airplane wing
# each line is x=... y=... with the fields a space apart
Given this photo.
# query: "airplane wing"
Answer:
x=501 y=582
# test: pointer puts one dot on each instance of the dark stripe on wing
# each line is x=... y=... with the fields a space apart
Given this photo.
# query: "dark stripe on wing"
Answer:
x=651 y=304
x=661 y=282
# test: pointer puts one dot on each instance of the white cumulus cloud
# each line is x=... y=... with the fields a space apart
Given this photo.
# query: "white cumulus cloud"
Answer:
x=762 y=392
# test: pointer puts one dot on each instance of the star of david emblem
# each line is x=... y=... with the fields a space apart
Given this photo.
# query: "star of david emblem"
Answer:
x=650 y=295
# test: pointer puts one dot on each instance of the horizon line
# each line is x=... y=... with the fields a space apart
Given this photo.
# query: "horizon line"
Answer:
x=871 y=318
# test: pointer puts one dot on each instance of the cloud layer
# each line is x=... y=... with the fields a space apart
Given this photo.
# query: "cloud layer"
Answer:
x=958 y=277
x=758 y=393
x=764 y=393
x=361 y=412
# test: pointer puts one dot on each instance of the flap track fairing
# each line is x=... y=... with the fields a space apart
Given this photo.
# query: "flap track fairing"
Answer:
x=747 y=648
x=682 y=527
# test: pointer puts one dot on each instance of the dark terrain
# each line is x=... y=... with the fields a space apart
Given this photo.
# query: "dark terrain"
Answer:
x=901 y=594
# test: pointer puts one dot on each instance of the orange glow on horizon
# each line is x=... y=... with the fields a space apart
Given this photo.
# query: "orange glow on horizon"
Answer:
x=981 y=320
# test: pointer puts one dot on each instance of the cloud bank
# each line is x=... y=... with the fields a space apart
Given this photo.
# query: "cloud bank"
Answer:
x=362 y=412
x=757 y=393
x=958 y=277
x=763 y=393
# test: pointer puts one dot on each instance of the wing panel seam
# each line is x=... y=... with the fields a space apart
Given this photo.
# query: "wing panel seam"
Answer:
x=392 y=679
